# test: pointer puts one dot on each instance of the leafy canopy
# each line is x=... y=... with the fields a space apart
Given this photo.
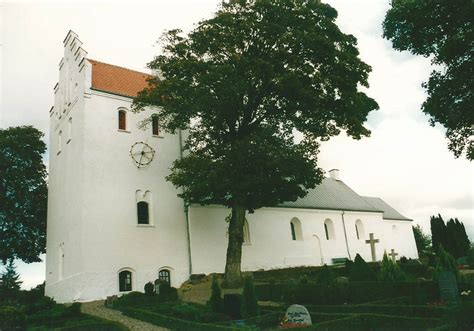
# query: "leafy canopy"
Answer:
x=442 y=30
x=23 y=194
x=242 y=83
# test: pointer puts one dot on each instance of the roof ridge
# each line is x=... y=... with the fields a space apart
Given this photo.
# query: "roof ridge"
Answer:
x=116 y=66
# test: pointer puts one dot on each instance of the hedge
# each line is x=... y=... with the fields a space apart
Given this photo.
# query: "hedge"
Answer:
x=352 y=292
x=172 y=322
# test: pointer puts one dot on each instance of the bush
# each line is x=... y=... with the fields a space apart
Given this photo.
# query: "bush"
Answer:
x=446 y=262
x=352 y=292
x=167 y=293
x=215 y=302
x=360 y=270
x=72 y=311
x=390 y=271
x=326 y=275
x=41 y=304
x=249 y=306
x=12 y=318
x=232 y=304
x=149 y=288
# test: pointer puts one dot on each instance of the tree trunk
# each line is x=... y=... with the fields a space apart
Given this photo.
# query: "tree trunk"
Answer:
x=233 y=277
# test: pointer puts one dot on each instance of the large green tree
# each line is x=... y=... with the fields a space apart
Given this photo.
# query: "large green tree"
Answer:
x=423 y=241
x=442 y=30
x=241 y=84
x=23 y=194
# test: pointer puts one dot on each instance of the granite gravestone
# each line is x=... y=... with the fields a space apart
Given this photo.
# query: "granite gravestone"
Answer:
x=296 y=315
x=448 y=287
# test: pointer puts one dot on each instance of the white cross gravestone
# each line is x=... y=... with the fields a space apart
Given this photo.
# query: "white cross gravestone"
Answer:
x=393 y=255
x=296 y=315
x=372 y=243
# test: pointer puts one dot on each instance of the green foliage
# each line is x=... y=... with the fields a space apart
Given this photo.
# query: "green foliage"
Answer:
x=149 y=288
x=12 y=318
x=232 y=305
x=23 y=194
x=442 y=30
x=352 y=292
x=241 y=83
x=360 y=270
x=72 y=311
x=470 y=256
x=249 y=306
x=446 y=262
x=390 y=271
x=215 y=302
x=452 y=236
x=10 y=278
x=326 y=275
x=423 y=241
x=135 y=299
x=167 y=293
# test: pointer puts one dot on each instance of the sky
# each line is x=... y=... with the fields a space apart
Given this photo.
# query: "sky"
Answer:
x=405 y=161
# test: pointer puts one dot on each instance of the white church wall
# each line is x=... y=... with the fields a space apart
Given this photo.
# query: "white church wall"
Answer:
x=271 y=245
x=64 y=256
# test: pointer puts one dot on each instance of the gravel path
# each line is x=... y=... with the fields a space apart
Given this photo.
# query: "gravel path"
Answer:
x=97 y=308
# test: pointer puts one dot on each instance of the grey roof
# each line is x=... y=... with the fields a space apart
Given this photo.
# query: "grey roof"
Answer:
x=388 y=211
x=334 y=195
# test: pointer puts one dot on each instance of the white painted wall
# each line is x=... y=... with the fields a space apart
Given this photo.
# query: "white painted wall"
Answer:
x=271 y=245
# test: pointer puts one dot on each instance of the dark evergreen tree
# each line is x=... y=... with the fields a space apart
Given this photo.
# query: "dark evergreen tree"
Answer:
x=216 y=302
x=390 y=271
x=241 y=83
x=446 y=262
x=10 y=278
x=438 y=232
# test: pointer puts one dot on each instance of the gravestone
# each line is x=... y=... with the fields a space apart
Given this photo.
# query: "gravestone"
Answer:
x=296 y=316
x=372 y=241
x=448 y=287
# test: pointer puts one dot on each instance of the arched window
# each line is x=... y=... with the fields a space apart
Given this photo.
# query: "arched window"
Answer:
x=164 y=276
x=295 y=227
x=155 y=128
x=122 y=119
x=329 y=229
x=359 y=230
x=142 y=213
x=394 y=230
x=246 y=233
x=125 y=281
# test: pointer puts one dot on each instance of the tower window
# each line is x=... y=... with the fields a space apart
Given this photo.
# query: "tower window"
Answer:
x=142 y=212
x=125 y=281
x=122 y=120
x=155 y=125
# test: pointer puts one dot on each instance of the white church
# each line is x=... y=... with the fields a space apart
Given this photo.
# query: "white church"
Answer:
x=115 y=223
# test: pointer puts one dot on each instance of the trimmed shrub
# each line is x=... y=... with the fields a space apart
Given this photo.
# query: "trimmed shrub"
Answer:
x=12 y=318
x=232 y=304
x=446 y=262
x=249 y=306
x=360 y=270
x=72 y=311
x=215 y=302
x=149 y=288
x=390 y=271
x=167 y=293
x=326 y=275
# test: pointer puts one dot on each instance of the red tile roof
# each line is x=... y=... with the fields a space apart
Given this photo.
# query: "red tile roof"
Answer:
x=117 y=80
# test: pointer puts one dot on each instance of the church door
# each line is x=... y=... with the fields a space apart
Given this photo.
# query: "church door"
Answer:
x=317 y=250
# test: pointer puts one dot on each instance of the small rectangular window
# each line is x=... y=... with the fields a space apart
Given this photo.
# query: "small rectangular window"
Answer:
x=122 y=122
x=155 y=125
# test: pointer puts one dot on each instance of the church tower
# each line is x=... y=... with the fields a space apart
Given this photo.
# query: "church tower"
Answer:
x=114 y=222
